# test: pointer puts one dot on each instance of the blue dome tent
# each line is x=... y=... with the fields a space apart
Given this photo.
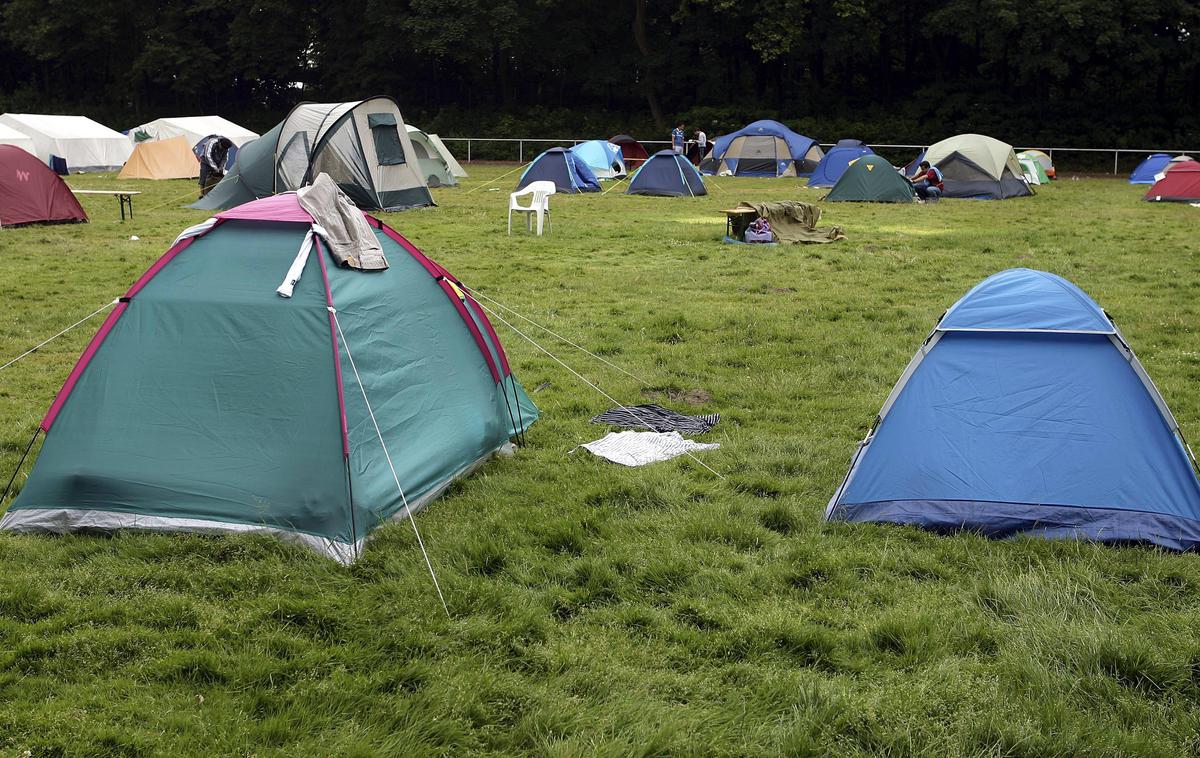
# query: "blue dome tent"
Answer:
x=836 y=161
x=559 y=165
x=763 y=148
x=667 y=174
x=1146 y=170
x=602 y=157
x=1026 y=412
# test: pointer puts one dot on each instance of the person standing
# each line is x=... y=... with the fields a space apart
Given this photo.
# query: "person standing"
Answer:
x=701 y=146
x=677 y=138
x=212 y=167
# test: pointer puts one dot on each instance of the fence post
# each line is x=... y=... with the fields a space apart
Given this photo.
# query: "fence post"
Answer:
x=468 y=151
x=520 y=151
x=1115 y=154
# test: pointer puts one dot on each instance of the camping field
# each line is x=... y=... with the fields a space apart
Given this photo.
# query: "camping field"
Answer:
x=599 y=610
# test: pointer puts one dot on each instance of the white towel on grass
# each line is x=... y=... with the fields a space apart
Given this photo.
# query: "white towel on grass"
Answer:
x=640 y=448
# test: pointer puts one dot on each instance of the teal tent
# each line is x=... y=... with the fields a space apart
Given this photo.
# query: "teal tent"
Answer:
x=209 y=402
x=871 y=179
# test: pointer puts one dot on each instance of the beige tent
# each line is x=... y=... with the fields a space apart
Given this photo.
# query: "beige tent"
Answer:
x=162 y=159
x=978 y=167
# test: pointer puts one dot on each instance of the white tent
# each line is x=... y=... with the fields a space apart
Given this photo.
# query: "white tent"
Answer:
x=192 y=128
x=434 y=167
x=455 y=167
x=85 y=144
x=10 y=136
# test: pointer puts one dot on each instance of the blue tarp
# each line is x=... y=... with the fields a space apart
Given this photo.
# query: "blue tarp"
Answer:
x=798 y=145
x=836 y=161
x=602 y=157
x=561 y=166
x=667 y=174
x=1145 y=171
x=1007 y=431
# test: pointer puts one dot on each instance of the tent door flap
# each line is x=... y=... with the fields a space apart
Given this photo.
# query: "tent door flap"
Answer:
x=387 y=138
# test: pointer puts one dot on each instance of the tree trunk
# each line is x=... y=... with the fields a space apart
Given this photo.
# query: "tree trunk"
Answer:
x=649 y=79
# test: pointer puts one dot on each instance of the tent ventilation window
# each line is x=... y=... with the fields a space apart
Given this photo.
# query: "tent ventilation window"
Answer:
x=387 y=138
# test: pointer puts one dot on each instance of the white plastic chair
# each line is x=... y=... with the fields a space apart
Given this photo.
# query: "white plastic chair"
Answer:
x=538 y=206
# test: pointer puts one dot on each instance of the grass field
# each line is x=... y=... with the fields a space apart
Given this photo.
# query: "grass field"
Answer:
x=653 y=611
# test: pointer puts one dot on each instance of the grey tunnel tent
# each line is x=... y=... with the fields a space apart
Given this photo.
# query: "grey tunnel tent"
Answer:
x=978 y=167
x=363 y=146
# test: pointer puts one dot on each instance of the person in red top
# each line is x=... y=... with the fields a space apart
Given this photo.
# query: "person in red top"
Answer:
x=928 y=182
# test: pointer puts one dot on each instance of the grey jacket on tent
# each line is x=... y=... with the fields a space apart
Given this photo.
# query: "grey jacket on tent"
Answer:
x=351 y=241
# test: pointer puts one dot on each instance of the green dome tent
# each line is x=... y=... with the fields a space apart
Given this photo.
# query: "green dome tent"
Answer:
x=208 y=402
x=871 y=179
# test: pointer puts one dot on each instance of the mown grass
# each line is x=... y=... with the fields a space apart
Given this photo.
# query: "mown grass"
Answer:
x=603 y=610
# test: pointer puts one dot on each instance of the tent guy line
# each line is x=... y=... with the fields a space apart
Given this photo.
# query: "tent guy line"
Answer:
x=387 y=455
x=498 y=178
x=581 y=378
x=610 y=364
x=45 y=342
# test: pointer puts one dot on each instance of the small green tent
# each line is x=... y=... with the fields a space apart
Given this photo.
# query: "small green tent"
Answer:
x=871 y=179
x=1034 y=171
x=211 y=401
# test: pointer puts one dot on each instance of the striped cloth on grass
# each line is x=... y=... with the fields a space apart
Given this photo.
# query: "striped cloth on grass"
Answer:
x=657 y=419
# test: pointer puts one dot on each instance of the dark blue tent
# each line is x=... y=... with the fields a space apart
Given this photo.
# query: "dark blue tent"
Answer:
x=1026 y=412
x=835 y=162
x=667 y=174
x=559 y=165
x=763 y=148
x=911 y=168
x=1145 y=171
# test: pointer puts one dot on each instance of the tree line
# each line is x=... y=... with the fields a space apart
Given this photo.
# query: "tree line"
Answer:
x=1101 y=73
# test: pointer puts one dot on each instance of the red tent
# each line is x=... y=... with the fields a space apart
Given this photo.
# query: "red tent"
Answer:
x=31 y=192
x=631 y=150
x=1180 y=185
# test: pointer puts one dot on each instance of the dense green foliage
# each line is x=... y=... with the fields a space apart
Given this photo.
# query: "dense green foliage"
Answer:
x=1101 y=73
x=599 y=610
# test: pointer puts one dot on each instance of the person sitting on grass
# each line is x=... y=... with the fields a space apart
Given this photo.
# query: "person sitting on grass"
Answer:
x=928 y=182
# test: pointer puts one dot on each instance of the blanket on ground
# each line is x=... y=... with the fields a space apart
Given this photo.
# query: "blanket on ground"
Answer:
x=795 y=222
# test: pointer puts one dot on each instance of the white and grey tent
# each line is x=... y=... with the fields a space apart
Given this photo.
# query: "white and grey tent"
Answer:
x=434 y=166
x=191 y=128
x=455 y=167
x=83 y=143
x=363 y=146
x=978 y=167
